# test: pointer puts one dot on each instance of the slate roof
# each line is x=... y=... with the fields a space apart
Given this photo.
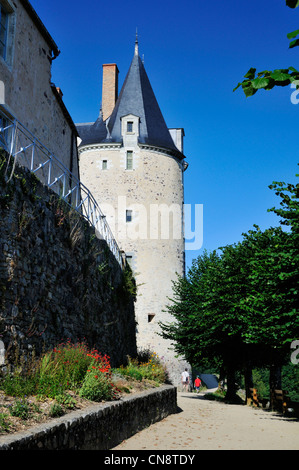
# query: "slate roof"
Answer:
x=137 y=98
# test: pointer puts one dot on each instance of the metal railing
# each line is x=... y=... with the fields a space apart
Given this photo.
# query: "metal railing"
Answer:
x=29 y=152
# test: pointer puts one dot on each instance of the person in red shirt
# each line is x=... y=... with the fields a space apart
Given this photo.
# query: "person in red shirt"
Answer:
x=197 y=384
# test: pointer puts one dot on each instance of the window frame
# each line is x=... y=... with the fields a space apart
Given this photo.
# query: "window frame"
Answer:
x=4 y=42
x=130 y=127
x=129 y=159
x=10 y=10
x=129 y=215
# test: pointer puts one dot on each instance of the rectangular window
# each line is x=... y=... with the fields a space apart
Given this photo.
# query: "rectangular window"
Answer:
x=129 y=162
x=3 y=31
x=104 y=165
x=129 y=216
x=129 y=126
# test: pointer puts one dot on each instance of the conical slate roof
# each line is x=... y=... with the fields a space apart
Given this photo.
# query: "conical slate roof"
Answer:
x=137 y=98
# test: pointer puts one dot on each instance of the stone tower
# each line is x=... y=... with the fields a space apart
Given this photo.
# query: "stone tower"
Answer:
x=134 y=165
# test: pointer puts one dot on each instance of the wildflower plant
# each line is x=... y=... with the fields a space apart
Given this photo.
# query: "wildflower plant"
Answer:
x=68 y=371
x=64 y=368
x=97 y=385
x=20 y=409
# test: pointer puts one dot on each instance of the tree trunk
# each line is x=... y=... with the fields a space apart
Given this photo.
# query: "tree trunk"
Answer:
x=222 y=378
x=248 y=383
x=274 y=381
x=275 y=377
x=231 y=394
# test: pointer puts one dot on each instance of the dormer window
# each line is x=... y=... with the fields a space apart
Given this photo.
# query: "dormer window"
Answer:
x=130 y=129
x=130 y=126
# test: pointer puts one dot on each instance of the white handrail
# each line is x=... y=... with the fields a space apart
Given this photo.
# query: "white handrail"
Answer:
x=17 y=141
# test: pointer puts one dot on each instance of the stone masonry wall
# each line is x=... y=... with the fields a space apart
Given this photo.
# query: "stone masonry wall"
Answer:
x=99 y=427
x=57 y=280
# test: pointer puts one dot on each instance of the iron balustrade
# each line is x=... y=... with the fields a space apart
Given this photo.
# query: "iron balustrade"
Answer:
x=26 y=150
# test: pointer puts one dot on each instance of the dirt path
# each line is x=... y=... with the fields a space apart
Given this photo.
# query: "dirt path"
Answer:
x=209 y=425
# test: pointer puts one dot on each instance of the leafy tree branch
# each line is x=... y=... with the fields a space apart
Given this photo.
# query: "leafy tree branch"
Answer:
x=269 y=79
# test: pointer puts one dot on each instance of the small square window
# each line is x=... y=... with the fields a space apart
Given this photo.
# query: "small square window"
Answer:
x=129 y=216
x=104 y=165
x=129 y=126
x=129 y=162
x=150 y=317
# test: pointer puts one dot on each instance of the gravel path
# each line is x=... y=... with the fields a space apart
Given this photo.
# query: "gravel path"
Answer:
x=202 y=424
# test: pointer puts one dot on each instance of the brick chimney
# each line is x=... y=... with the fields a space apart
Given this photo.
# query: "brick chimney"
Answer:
x=110 y=89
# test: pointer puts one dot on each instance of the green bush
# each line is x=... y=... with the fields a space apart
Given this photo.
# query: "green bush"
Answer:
x=18 y=386
x=152 y=369
x=261 y=382
x=56 y=410
x=66 y=400
x=20 y=409
x=96 y=386
x=290 y=381
x=4 y=423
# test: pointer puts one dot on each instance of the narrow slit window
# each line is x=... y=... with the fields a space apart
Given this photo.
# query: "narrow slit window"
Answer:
x=129 y=216
x=129 y=162
x=104 y=165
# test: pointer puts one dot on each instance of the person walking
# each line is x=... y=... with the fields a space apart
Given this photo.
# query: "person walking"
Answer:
x=197 y=384
x=185 y=380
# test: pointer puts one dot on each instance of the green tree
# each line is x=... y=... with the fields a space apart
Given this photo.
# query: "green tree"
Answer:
x=279 y=77
x=236 y=309
x=209 y=323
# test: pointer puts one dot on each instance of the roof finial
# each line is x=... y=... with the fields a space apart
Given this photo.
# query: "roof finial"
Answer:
x=136 y=43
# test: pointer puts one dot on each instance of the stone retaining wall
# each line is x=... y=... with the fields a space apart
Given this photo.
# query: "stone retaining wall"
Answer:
x=58 y=281
x=99 y=427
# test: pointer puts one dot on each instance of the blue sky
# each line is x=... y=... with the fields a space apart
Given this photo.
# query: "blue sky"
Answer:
x=195 y=53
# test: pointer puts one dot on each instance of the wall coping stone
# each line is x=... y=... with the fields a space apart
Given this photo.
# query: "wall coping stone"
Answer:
x=98 y=427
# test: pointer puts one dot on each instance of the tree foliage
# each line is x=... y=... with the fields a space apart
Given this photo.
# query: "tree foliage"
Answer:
x=239 y=307
x=279 y=77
